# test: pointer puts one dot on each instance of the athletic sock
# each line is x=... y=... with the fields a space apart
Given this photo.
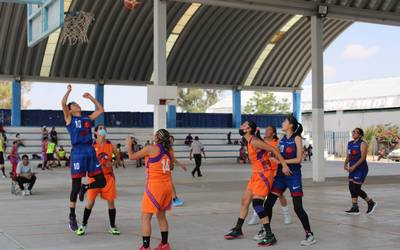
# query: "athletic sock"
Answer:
x=146 y=241
x=112 y=214
x=72 y=211
x=239 y=223
x=285 y=210
x=164 y=237
x=86 y=215
x=355 y=205
x=268 y=230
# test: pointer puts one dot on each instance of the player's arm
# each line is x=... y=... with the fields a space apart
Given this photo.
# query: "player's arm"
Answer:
x=346 y=161
x=363 y=158
x=99 y=108
x=299 y=145
x=67 y=114
x=262 y=145
x=138 y=155
x=179 y=164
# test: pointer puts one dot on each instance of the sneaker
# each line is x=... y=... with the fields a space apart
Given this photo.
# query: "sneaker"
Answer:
x=25 y=192
x=4 y=176
x=254 y=220
x=30 y=192
x=82 y=192
x=353 y=211
x=267 y=241
x=310 y=240
x=73 y=224
x=261 y=235
x=371 y=206
x=235 y=233
x=163 y=247
x=114 y=231
x=81 y=231
x=287 y=219
x=177 y=202
x=142 y=248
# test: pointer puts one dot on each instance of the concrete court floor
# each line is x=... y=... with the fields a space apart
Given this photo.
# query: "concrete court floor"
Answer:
x=211 y=208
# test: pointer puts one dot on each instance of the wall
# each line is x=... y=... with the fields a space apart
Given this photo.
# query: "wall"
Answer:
x=347 y=120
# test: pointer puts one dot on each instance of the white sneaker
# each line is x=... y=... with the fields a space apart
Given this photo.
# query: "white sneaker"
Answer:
x=261 y=234
x=4 y=176
x=254 y=220
x=310 y=240
x=287 y=219
x=25 y=192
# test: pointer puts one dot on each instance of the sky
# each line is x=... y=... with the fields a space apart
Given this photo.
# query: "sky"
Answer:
x=363 y=51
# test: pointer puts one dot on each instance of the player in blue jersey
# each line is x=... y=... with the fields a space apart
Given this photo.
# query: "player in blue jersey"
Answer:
x=291 y=148
x=83 y=156
x=356 y=165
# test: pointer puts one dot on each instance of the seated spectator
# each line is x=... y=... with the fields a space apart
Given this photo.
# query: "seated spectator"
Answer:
x=189 y=140
x=25 y=175
x=147 y=143
x=53 y=135
x=62 y=156
x=229 y=137
x=18 y=139
x=121 y=157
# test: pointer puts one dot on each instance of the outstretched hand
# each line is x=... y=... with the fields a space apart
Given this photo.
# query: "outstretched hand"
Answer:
x=69 y=87
x=87 y=95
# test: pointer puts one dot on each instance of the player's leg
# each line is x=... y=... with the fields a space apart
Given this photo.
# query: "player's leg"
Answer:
x=76 y=185
x=268 y=238
x=163 y=223
x=237 y=232
x=112 y=214
x=285 y=210
x=86 y=214
x=146 y=230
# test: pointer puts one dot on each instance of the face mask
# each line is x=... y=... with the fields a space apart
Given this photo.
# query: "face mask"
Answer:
x=102 y=132
x=241 y=132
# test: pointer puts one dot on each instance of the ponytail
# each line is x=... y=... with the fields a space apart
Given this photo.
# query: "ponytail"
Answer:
x=254 y=129
x=297 y=127
x=164 y=139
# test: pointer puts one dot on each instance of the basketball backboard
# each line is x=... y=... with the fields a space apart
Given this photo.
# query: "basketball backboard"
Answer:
x=162 y=94
x=43 y=19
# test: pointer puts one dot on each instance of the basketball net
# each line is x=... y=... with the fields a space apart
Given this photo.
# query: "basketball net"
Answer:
x=76 y=26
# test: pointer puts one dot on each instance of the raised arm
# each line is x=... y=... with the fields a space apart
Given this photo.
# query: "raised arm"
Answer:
x=99 y=108
x=262 y=145
x=67 y=114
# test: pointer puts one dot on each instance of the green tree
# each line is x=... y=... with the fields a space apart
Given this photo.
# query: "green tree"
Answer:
x=5 y=94
x=197 y=100
x=266 y=103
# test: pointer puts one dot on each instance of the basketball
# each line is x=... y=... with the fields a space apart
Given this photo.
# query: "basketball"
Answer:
x=131 y=4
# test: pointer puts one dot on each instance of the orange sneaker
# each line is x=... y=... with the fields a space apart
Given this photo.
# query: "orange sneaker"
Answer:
x=163 y=247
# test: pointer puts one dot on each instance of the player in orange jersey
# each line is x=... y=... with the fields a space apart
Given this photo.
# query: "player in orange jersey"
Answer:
x=157 y=197
x=104 y=151
x=260 y=182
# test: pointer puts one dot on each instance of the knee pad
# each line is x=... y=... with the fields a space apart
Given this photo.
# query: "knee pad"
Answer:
x=258 y=206
x=353 y=190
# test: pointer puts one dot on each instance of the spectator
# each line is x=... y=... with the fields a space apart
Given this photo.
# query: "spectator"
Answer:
x=2 y=157
x=25 y=175
x=305 y=153
x=196 y=149
x=189 y=140
x=121 y=157
x=136 y=148
x=18 y=139
x=147 y=143
x=309 y=151
x=53 y=135
x=44 y=152
x=229 y=137
x=45 y=133
x=51 y=149
x=14 y=156
x=62 y=156
x=4 y=137
x=242 y=154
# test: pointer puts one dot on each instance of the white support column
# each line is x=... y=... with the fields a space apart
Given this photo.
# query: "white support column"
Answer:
x=318 y=130
x=160 y=59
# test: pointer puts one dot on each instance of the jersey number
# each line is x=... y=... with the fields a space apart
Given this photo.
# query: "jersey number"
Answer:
x=165 y=165
x=76 y=166
x=78 y=124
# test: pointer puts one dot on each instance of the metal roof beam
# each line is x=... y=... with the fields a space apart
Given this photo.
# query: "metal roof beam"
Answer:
x=308 y=8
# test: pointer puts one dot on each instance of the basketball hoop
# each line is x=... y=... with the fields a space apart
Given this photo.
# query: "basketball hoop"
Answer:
x=76 y=26
x=131 y=4
x=165 y=101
